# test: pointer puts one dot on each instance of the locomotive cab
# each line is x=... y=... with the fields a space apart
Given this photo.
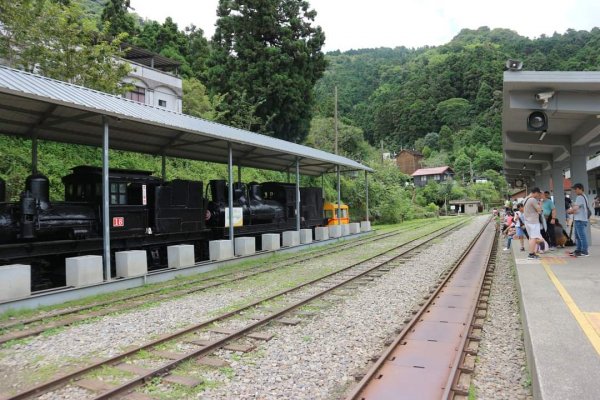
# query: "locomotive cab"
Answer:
x=330 y=214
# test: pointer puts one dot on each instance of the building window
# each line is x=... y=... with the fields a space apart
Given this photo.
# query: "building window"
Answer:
x=436 y=177
x=138 y=94
x=162 y=103
x=423 y=178
x=118 y=193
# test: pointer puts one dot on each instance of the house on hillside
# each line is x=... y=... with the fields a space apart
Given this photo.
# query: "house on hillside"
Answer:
x=155 y=79
x=408 y=161
x=437 y=174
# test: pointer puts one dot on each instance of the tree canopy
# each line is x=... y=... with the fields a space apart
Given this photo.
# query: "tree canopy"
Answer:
x=269 y=52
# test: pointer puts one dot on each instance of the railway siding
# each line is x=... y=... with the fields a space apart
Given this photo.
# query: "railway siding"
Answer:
x=82 y=342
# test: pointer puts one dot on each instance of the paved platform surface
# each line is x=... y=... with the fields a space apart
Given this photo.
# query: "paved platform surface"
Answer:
x=560 y=306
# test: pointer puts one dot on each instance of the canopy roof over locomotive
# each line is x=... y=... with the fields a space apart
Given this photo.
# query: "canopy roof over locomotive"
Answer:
x=58 y=111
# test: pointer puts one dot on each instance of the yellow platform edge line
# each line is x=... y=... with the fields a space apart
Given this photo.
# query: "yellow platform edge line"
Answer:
x=583 y=322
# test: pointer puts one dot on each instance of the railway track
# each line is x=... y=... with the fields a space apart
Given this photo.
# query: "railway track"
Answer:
x=290 y=300
x=434 y=354
x=37 y=325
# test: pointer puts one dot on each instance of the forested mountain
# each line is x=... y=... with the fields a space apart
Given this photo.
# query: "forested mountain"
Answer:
x=400 y=95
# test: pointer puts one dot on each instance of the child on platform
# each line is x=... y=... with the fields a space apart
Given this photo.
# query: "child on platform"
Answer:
x=510 y=232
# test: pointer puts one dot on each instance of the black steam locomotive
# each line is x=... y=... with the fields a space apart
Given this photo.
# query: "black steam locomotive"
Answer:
x=145 y=213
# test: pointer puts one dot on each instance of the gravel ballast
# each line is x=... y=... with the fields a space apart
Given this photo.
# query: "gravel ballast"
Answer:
x=318 y=358
x=37 y=359
x=501 y=369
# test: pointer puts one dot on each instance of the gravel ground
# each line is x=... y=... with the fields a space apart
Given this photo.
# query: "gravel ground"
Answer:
x=501 y=370
x=318 y=358
x=37 y=359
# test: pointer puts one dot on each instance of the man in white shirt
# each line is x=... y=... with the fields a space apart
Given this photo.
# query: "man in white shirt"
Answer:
x=531 y=211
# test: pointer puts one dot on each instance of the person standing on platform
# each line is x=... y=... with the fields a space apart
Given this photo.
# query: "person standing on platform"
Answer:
x=549 y=211
x=597 y=206
x=520 y=225
x=532 y=210
x=579 y=210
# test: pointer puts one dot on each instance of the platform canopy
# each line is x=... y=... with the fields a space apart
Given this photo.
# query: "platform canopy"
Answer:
x=57 y=111
x=571 y=102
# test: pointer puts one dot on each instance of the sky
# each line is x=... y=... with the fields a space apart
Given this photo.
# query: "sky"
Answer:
x=356 y=24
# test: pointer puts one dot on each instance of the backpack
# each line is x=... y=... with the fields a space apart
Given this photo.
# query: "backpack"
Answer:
x=587 y=207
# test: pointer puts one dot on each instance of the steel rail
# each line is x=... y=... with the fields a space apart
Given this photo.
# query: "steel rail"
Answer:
x=6 y=337
x=59 y=381
x=209 y=348
x=373 y=372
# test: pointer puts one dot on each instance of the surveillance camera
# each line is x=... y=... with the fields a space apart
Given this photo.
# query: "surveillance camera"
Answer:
x=544 y=96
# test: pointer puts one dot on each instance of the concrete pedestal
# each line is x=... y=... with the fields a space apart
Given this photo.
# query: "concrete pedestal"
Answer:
x=354 y=228
x=15 y=281
x=291 y=238
x=345 y=230
x=305 y=236
x=365 y=226
x=245 y=246
x=131 y=263
x=181 y=255
x=271 y=241
x=321 y=233
x=84 y=270
x=335 y=231
x=220 y=250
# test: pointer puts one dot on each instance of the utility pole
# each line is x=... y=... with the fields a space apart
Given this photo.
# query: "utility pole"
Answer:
x=335 y=120
x=382 y=152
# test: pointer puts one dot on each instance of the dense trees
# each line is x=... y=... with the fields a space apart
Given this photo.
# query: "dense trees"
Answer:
x=58 y=40
x=270 y=52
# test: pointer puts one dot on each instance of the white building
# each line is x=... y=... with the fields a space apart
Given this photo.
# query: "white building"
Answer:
x=155 y=84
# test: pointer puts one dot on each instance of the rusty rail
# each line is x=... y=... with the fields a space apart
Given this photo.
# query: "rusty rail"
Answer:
x=424 y=359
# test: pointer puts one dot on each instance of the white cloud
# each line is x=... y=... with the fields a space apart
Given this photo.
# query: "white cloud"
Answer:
x=412 y=23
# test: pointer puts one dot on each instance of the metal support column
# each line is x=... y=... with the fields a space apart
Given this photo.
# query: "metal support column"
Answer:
x=366 y=196
x=298 y=209
x=164 y=167
x=230 y=195
x=34 y=154
x=339 y=196
x=559 y=193
x=105 y=203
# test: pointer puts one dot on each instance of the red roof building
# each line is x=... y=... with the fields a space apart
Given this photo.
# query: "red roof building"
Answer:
x=437 y=174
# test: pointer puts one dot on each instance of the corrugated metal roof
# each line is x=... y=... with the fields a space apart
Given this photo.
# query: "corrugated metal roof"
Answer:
x=63 y=112
x=431 y=171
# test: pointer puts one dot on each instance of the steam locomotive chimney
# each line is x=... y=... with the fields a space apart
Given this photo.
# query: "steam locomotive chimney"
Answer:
x=39 y=186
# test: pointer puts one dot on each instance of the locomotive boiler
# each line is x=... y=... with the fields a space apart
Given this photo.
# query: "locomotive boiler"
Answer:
x=145 y=213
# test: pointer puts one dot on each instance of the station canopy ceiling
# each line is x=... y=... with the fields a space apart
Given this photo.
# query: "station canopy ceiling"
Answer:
x=57 y=111
x=571 y=102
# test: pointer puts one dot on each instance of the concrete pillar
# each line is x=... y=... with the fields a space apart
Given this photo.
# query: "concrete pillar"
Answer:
x=365 y=226
x=558 y=192
x=579 y=166
x=220 y=250
x=291 y=238
x=354 y=228
x=335 y=231
x=181 y=255
x=306 y=236
x=245 y=246
x=131 y=263
x=83 y=270
x=15 y=281
x=543 y=181
x=345 y=229
x=270 y=241
x=321 y=233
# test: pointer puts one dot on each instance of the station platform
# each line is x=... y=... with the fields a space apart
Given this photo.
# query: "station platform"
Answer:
x=560 y=309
